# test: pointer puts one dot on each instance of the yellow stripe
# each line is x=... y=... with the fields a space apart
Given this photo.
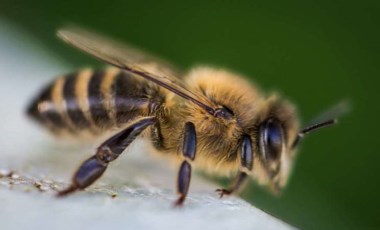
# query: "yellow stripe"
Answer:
x=81 y=94
x=57 y=94
x=59 y=101
x=107 y=93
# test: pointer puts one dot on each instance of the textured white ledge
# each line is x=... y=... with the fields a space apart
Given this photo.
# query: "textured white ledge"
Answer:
x=136 y=192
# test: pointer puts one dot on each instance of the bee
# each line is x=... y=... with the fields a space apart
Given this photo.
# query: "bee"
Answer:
x=208 y=118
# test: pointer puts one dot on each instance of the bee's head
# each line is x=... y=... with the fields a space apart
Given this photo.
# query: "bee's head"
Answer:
x=275 y=133
x=277 y=137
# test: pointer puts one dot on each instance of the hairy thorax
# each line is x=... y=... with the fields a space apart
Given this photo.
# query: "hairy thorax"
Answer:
x=218 y=139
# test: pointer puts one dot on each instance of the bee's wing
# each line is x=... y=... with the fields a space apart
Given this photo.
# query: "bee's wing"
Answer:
x=332 y=114
x=327 y=118
x=130 y=59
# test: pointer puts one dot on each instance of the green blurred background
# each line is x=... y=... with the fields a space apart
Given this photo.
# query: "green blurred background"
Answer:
x=314 y=52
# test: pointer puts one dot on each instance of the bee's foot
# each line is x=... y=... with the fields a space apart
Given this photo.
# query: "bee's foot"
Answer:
x=223 y=192
x=67 y=191
x=179 y=202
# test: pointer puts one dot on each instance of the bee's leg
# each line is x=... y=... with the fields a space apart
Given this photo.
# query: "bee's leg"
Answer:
x=246 y=159
x=237 y=185
x=94 y=167
x=188 y=152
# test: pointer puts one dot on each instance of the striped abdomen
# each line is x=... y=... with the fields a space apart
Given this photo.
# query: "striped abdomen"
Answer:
x=94 y=101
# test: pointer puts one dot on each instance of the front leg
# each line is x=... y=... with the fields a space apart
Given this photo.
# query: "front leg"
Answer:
x=95 y=166
x=246 y=161
x=188 y=152
x=237 y=185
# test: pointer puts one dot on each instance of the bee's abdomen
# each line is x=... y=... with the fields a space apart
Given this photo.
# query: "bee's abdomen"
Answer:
x=94 y=101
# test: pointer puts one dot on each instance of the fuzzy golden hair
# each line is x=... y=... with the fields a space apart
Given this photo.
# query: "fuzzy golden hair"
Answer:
x=219 y=140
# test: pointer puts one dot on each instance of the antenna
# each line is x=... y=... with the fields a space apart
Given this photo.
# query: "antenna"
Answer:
x=326 y=119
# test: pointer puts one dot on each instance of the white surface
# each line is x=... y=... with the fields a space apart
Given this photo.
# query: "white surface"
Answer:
x=143 y=186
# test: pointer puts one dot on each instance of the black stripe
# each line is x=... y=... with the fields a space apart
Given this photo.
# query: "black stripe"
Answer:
x=95 y=98
x=74 y=112
x=129 y=97
x=33 y=112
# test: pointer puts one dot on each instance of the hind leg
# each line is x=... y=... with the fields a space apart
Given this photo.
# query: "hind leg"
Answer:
x=92 y=168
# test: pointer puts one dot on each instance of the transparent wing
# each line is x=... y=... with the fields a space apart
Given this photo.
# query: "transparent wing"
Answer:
x=331 y=115
x=327 y=118
x=130 y=59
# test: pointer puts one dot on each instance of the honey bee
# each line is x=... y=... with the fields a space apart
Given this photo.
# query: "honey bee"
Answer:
x=211 y=119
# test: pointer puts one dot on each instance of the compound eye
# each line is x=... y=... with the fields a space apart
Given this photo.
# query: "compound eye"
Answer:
x=271 y=140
